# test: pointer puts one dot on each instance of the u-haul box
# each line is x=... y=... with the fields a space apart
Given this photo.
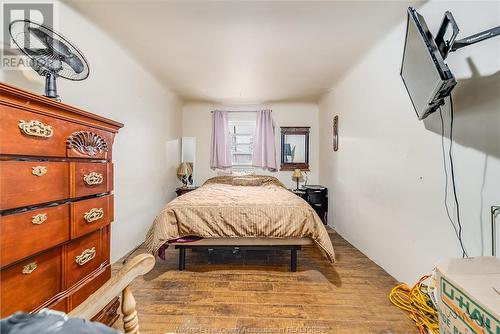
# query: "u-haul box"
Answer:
x=467 y=293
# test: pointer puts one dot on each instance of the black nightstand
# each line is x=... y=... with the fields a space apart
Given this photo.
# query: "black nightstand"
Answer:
x=300 y=192
x=182 y=190
x=317 y=197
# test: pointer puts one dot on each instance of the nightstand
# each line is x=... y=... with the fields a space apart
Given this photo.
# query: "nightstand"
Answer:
x=299 y=192
x=317 y=197
x=182 y=190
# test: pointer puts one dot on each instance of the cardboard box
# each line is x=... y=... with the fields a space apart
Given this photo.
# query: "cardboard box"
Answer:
x=467 y=293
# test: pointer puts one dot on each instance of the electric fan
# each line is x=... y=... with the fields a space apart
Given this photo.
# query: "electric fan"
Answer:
x=51 y=55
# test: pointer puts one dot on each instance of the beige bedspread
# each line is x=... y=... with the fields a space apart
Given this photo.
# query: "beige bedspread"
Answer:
x=252 y=206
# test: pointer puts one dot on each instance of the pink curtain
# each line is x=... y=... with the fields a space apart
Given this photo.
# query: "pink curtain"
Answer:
x=264 y=152
x=220 y=153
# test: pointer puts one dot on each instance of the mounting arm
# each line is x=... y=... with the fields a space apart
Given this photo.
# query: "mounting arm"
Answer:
x=481 y=36
x=450 y=45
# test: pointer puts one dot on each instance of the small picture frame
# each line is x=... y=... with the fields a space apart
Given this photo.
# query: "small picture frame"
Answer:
x=336 y=133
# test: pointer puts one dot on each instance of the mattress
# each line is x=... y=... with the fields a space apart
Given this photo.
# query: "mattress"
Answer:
x=235 y=207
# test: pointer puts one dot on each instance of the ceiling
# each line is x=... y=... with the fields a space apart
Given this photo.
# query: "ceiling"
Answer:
x=245 y=52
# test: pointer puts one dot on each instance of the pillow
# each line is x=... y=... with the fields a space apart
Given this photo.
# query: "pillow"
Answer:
x=243 y=172
x=248 y=180
x=223 y=173
x=238 y=172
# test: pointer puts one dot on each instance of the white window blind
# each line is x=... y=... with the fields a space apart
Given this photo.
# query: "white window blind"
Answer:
x=242 y=138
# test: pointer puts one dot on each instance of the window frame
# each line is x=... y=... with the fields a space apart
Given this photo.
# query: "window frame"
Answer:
x=232 y=124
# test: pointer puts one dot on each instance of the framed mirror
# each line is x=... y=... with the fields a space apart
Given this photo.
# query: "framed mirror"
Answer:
x=295 y=148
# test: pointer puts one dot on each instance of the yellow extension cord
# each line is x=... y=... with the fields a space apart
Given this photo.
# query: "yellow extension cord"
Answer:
x=417 y=303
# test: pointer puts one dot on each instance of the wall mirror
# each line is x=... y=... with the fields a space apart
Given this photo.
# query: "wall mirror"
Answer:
x=188 y=155
x=295 y=148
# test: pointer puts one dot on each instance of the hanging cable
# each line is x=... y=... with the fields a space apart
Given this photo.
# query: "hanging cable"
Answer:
x=457 y=226
x=454 y=186
x=446 y=174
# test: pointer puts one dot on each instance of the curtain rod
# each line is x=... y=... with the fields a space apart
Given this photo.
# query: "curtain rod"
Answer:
x=236 y=110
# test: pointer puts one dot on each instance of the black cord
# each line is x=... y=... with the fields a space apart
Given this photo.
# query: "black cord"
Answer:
x=446 y=174
x=452 y=168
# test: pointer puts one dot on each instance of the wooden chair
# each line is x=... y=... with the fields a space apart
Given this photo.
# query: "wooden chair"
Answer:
x=139 y=265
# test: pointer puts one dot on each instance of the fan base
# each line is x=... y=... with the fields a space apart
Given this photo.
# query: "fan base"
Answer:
x=50 y=86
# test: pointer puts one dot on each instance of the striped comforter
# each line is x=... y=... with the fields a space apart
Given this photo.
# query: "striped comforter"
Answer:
x=251 y=206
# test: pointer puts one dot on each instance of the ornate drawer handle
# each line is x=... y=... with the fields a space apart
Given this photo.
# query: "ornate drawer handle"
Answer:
x=39 y=170
x=93 y=215
x=93 y=178
x=86 y=256
x=29 y=268
x=36 y=129
x=39 y=218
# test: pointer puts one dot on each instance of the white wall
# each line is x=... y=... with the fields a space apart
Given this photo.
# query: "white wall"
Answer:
x=146 y=150
x=196 y=122
x=386 y=182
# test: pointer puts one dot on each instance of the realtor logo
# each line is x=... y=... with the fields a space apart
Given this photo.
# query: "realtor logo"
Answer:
x=40 y=12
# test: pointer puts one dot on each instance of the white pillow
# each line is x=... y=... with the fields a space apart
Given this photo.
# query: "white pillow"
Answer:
x=243 y=172
x=237 y=172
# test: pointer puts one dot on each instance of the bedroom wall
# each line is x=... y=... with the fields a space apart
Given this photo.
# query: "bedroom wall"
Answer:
x=196 y=122
x=386 y=182
x=146 y=149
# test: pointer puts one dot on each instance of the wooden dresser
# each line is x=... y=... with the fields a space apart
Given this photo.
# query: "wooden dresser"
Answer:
x=56 y=203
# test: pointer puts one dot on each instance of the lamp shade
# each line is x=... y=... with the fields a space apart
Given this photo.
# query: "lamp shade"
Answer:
x=297 y=174
x=183 y=169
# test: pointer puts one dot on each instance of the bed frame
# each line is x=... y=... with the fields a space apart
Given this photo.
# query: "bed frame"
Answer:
x=237 y=243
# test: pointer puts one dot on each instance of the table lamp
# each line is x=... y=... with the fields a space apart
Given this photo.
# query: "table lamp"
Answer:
x=183 y=172
x=297 y=176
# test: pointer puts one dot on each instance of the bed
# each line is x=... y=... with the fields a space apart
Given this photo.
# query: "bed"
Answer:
x=239 y=211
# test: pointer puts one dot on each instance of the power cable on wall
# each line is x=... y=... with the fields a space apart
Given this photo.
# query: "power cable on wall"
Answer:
x=458 y=225
x=443 y=151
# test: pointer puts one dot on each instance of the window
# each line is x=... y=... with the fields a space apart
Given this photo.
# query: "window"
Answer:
x=242 y=135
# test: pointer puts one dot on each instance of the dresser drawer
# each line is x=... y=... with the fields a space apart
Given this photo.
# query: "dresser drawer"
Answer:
x=30 y=283
x=90 y=178
x=61 y=305
x=31 y=134
x=317 y=196
x=318 y=205
x=26 y=183
x=85 y=255
x=91 y=214
x=90 y=287
x=22 y=234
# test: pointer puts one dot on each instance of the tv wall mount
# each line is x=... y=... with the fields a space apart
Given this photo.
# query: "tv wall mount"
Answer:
x=452 y=44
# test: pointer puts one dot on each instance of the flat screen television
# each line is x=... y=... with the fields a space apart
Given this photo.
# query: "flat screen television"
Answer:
x=427 y=78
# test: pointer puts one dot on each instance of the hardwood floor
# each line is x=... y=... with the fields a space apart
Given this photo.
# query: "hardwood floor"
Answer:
x=256 y=293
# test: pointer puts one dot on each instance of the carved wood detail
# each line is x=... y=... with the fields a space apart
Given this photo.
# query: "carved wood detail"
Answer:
x=87 y=143
x=130 y=320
